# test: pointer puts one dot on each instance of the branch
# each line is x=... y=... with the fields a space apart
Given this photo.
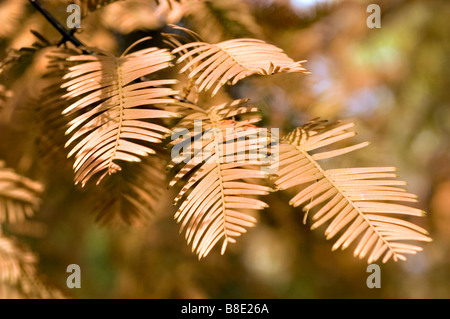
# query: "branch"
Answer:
x=67 y=35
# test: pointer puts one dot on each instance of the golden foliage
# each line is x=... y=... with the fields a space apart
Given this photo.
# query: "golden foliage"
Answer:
x=87 y=6
x=11 y=11
x=354 y=198
x=223 y=179
x=131 y=195
x=219 y=20
x=15 y=57
x=117 y=110
x=134 y=15
x=4 y=96
x=114 y=115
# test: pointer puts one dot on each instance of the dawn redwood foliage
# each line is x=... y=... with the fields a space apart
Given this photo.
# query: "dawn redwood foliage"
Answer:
x=117 y=119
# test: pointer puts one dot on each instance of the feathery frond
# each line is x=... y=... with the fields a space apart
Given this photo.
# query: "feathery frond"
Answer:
x=131 y=195
x=134 y=15
x=219 y=20
x=49 y=105
x=88 y=6
x=17 y=57
x=353 y=198
x=114 y=111
x=233 y=60
x=19 y=277
x=223 y=179
x=19 y=196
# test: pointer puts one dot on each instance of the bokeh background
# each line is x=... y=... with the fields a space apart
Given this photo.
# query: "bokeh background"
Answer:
x=393 y=81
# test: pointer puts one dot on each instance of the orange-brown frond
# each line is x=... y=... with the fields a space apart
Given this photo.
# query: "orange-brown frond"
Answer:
x=116 y=116
x=19 y=196
x=222 y=178
x=233 y=60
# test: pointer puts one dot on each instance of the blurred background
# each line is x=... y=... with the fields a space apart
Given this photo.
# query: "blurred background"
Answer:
x=392 y=81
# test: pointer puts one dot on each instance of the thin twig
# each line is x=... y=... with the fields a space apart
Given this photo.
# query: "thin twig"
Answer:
x=67 y=35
